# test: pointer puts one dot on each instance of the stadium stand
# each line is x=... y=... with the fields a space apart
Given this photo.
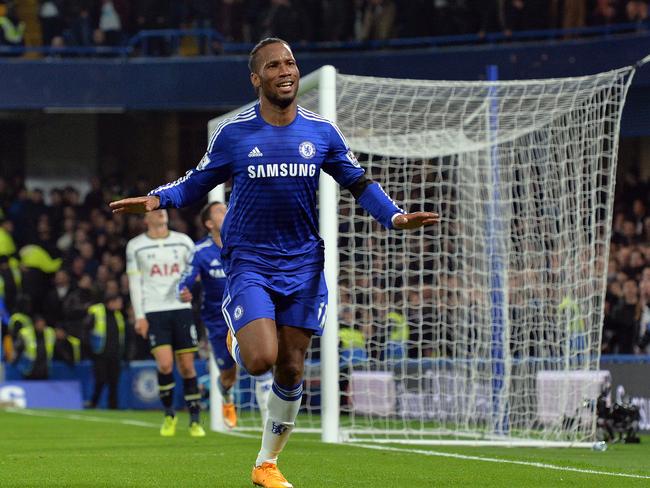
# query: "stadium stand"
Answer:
x=132 y=27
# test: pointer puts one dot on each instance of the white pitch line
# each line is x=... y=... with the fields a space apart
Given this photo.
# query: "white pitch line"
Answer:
x=87 y=418
x=139 y=423
x=106 y=420
x=499 y=461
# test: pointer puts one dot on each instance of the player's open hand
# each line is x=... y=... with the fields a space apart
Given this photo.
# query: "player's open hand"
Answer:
x=141 y=327
x=186 y=295
x=415 y=220
x=137 y=205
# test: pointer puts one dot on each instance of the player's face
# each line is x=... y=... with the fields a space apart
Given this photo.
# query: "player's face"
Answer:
x=217 y=214
x=156 y=218
x=277 y=75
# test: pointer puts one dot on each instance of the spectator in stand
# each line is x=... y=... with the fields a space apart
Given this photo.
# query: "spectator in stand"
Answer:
x=605 y=12
x=111 y=23
x=95 y=197
x=51 y=17
x=490 y=17
x=230 y=20
x=443 y=18
x=75 y=306
x=108 y=341
x=82 y=28
x=12 y=29
x=34 y=349
x=202 y=12
x=53 y=300
x=150 y=15
x=644 y=322
x=638 y=216
x=636 y=11
x=521 y=15
x=567 y=14
x=625 y=317
x=378 y=20
x=282 y=19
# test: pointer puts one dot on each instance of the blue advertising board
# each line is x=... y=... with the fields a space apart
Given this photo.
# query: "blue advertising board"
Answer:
x=42 y=394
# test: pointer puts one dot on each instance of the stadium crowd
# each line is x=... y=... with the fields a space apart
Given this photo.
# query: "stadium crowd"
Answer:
x=62 y=253
x=91 y=23
x=59 y=258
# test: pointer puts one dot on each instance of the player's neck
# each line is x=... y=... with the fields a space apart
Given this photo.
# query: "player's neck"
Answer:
x=158 y=232
x=216 y=237
x=277 y=116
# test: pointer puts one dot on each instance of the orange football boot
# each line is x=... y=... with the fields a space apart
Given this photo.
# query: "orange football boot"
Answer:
x=268 y=476
x=229 y=415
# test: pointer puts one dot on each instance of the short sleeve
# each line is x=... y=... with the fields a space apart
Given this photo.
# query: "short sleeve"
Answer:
x=340 y=162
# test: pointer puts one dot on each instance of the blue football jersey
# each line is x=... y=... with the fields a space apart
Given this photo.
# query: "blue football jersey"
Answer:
x=272 y=219
x=205 y=261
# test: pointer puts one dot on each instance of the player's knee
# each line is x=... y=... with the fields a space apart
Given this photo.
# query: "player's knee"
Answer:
x=258 y=361
x=187 y=370
x=289 y=374
x=165 y=367
x=259 y=364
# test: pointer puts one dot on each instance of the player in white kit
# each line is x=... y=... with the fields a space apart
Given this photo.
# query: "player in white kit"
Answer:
x=155 y=262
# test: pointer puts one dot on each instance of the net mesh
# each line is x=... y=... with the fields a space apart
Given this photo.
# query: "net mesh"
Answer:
x=487 y=325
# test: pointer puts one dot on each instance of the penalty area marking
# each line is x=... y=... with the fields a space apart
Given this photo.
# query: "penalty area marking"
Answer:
x=498 y=461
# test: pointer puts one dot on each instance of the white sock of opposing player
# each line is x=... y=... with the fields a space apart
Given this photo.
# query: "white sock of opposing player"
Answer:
x=283 y=406
x=263 y=384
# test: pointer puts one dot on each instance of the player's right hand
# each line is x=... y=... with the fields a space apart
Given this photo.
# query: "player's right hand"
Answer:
x=186 y=295
x=141 y=327
x=135 y=205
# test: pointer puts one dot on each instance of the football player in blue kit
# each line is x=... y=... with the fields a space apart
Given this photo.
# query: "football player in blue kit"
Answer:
x=273 y=256
x=204 y=264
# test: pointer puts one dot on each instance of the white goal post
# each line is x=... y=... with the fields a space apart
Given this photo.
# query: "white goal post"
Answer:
x=486 y=328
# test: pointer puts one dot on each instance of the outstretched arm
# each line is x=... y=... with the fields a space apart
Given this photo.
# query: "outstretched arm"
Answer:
x=213 y=169
x=371 y=196
x=343 y=166
x=180 y=193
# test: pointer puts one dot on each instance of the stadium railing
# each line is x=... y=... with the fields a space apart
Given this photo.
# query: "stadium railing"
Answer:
x=138 y=44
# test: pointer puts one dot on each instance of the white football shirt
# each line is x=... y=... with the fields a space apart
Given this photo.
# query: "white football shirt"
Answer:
x=154 y=267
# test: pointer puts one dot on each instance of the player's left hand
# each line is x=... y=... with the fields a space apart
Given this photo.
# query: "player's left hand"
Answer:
x=415 y=220
x=186 y=295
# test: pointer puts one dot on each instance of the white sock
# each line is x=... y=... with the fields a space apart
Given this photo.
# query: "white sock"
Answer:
x=263 y=384
x=283 y=405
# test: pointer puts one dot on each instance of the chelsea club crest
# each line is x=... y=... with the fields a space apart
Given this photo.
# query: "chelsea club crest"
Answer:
x=307 y=150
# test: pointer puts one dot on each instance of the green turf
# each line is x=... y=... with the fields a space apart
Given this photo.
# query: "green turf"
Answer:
x=99 y=449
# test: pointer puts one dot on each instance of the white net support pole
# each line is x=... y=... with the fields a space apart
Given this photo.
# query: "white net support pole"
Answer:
x=217 y=194
x=329 y=224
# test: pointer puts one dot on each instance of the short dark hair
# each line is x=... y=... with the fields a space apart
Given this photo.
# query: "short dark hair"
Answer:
x=205 y=212
x=252 y=57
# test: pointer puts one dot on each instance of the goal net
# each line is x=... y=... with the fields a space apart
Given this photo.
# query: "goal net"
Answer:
x=486 y=327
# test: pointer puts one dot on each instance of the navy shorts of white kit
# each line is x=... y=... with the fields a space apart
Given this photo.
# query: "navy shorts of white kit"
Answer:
x=297 y=299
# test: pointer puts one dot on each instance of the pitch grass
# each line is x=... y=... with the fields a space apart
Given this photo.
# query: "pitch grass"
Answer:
x=123 y=449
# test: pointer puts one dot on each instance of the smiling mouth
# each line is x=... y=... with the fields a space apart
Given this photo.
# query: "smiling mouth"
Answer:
x=285 y=85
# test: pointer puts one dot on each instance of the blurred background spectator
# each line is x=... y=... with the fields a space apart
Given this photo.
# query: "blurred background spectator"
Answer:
x=102 y=23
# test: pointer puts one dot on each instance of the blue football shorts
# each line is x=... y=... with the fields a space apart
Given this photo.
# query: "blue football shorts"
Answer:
x=296 y=300
x=217 y=331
